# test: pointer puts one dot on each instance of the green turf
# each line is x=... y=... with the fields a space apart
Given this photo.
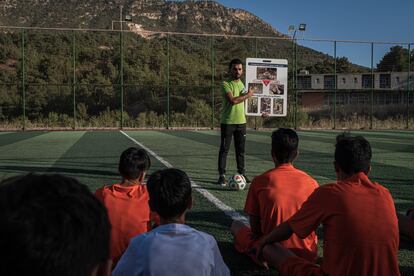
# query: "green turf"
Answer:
x=92 y=157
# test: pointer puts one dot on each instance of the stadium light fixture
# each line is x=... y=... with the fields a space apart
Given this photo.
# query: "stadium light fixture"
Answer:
x=293 y=29
x=128 y=18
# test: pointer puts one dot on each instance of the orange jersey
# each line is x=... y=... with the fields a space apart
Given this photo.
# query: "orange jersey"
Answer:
x=277 y=195
x=129 y=214
x=359 y=223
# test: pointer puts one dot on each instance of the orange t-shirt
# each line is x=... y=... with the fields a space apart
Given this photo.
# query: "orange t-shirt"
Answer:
x=359 y=223
x=278 y=194
x=129 y=214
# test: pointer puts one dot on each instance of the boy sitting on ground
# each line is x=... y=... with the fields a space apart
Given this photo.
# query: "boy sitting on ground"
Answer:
x=173 y=248
x=358 y=217
x=52 y=225
x=274 y=197
x=127 y=202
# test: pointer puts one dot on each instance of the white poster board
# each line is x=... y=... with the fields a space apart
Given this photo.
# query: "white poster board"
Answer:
x=269 y=79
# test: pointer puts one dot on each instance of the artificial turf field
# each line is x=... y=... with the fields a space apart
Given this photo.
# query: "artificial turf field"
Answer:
x=92 y=158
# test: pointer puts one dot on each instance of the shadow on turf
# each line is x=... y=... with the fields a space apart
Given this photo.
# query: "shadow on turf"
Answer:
x=406 y=244
x=61 y=170
x=15 y=137
x=240 y=264
x=407 y=270
x=218 y=224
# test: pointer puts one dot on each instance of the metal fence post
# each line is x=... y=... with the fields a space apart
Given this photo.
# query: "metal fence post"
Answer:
x=407 y=119
x=295 y=59
x=335 y=86
x=372 y=86
x=121 y=74
x=23 y=81
x=168 y=81
x=74 y=77
x=255 y=55
x=212 y=80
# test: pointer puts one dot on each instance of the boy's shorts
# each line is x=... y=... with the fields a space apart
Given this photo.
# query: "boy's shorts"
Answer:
x=296 y=266
x=412 y=229
x=245 y=242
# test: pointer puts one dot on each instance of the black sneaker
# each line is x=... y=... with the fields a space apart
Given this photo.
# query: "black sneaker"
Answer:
x=222 y=180
x=247 y=179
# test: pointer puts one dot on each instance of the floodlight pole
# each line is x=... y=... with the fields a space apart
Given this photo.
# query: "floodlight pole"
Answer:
x=296 y=83
x=294 y=55
x=335 y=86
x=294 y=80
x=301 y=28
x=408 y=87
x=372 y=87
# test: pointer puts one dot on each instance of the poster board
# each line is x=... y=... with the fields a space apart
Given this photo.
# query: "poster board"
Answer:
x=269 y=79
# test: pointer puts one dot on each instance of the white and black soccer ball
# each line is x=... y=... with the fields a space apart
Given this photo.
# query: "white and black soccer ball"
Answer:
x=237 y=182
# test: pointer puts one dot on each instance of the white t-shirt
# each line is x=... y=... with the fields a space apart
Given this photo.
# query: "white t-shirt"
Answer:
x=172 y=249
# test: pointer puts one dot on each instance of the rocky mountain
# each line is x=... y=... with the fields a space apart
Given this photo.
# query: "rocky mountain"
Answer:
x=160 y=15
x=188 y=66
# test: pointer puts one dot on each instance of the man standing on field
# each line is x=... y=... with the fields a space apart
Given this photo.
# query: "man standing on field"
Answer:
x=233 y=120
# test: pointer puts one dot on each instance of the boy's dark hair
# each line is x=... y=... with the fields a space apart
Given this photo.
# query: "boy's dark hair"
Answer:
x=133 y=162
x=285 y=145
x=51 y=225
x=169 y=192
x=235 y=61
x=353 y=154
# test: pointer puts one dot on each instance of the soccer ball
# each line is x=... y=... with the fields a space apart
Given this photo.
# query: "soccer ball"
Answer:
x=237 y=182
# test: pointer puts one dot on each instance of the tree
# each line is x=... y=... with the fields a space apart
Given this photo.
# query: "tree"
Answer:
x=327 y=66
x=396 y=60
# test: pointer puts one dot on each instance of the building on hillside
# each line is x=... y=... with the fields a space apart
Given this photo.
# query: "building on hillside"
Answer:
x=316 y=91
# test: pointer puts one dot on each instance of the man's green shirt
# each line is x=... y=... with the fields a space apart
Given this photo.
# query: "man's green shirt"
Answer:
x=232 y=114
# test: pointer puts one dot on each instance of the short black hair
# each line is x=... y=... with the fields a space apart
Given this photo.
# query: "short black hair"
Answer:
x=235 y=61
x=169 y=192
x=51 y=225
x=133 y=162
x=285 y=143
x=353 y=154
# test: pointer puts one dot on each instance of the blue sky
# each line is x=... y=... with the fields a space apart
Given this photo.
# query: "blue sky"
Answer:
x=364 y=20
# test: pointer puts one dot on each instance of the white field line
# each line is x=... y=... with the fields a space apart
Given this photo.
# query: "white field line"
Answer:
x=210 y=197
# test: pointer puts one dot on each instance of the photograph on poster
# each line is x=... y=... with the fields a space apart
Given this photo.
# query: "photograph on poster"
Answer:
x=265 y=73
x=276 y=89
x=277 y=106
x=265 y=105
x=257 y=88
x=252 y=106
x=268 y=78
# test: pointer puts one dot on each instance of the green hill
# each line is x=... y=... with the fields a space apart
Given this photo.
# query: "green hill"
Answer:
x=151 y=61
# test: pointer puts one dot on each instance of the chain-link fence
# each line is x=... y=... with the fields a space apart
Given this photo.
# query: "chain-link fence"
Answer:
x=61 y=78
